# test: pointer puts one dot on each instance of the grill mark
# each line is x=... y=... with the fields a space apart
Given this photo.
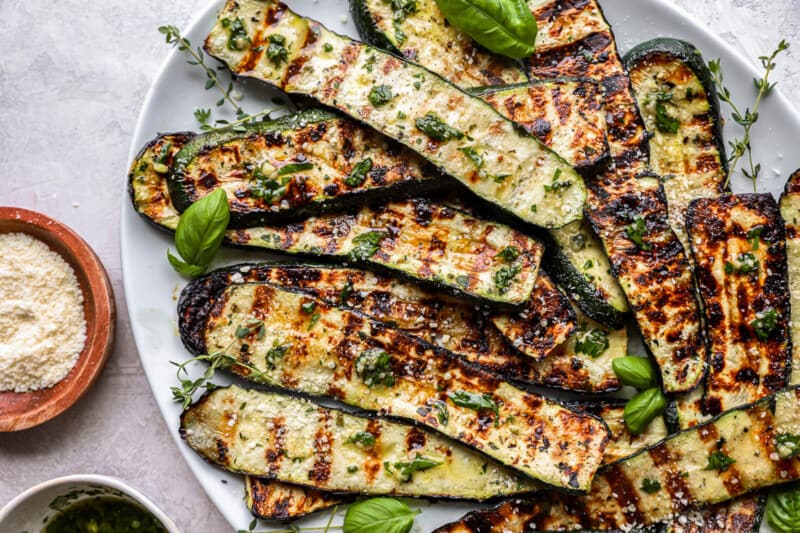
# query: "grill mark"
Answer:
x=274 y=455
x=415 y=439
x=323 y=443
x=626 y=494
x=256 y=49
x=674 y=483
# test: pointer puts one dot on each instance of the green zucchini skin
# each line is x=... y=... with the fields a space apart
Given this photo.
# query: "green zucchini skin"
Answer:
x=449 y=127
x=790 y=211
x=333 y=146
x=423 y=36
x=576 y=41
x=314 y=446
x=322 y=352
x=671 y=76
x=447 y=323
x=616 y=500
x=744 y=366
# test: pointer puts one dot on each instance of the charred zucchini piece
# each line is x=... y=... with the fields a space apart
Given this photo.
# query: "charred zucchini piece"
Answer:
x=739 y=250
x=418 y=32
x=790 y=211
x=731 y=455
x=293 y=440
x=273 y=500
x=278 y=501
x=296 y=166
x=742 y=515
x=679 y=105
x=455 y=131
x=307 y=345
x=629 y=214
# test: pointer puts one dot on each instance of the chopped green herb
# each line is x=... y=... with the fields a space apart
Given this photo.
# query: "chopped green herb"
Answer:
x=345 y=293
x=473 y=156
x=327 y=47
x=764 y=323
x=291 y=168
x=462 y=280
x=505 y=276
x=380 y=95
x=308 y=307
x=237 y=37
x=650 y=486
x=313 y=321
x=664 y=122
x=359 y=173
x=593 y=343
x=788 y=445
x=276 y=51
x=374 y=367
x=418 y=464
x=754 y=236
x=636 y=232
x=508 y=254
x=745 y=263
x=475 y=401
x=362 y=438
x=276 y=352
x=719 y=461
x=366 y=245
x=442 y=413
x=352 y=469
x=436 y=129
x=555 y=185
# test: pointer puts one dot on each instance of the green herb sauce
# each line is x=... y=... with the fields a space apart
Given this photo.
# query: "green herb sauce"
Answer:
x=104 y=515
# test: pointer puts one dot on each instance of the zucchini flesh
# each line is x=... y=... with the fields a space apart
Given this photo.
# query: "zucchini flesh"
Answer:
x=671 y=81
x=566 y=115
x=616 y=500
x=447 y=126
x=315 y=348
x=577 y=41
x=790 y=211
x=296 y=441
x=422 y=35
x=296 y=166
x=742 y=515
x=738 y=245
x=278 y=501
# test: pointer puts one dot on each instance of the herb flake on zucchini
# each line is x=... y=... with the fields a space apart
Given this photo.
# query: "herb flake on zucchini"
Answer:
x=429 y=115
x=296 y=166
x=293 y=440
x=678 y=102
x=681 y=465
x=312 y=347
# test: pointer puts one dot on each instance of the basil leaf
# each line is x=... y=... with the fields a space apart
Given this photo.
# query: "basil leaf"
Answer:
x=637 y=372
x=783 y=509
x=643 y=408
x=200 y=231
x=386 y=515
x=185 y=269
x=505 y=27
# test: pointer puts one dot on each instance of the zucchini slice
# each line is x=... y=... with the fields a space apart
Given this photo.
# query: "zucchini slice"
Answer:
x=296 y=166
x=454 y=130
x=565 y=114
x=681 y=465
x=790 y=211
x=742 y=515
x=418 y=32
x=656 y=278
x=274 y=500
x=309 y=346
x=293 y=440
x=739 y=250
x=679 y=105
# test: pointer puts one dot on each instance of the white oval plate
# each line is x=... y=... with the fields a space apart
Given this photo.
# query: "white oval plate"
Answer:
x=151 y=285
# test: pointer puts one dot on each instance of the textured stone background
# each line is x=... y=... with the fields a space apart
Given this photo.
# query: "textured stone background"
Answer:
x=73 y=75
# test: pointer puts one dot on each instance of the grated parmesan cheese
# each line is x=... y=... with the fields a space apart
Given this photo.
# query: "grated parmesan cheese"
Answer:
x=42 y=325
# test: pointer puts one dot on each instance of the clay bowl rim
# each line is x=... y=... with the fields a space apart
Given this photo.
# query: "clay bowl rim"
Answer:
x=98 y=298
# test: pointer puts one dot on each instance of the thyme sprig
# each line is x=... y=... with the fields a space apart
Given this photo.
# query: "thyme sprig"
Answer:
x=741 y=147
x=220 y=359
x=291 y=528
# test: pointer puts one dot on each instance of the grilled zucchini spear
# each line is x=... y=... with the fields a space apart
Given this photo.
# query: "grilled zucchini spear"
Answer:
x=679 y=105
x=740 y=451
x=425 y=241
x=278 y=501
x=294 y=341
x=296 y=166
x=790 y=211
x=629 y=214
x=455 y=131
x=292 y=440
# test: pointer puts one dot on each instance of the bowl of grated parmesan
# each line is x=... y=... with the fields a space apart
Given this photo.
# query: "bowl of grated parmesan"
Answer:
x=57 y=318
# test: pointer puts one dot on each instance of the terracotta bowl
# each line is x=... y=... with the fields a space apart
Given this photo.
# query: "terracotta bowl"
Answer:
x=24 y=410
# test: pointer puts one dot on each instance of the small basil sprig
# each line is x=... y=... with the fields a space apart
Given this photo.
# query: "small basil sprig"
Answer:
x=650 y=402
x=199 y=235
x=505 y=27
x=783 y=509
x=386 y=515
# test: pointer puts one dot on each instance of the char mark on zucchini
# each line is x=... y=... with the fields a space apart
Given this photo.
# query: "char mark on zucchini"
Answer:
x=293 y=440
x=296 y=166
x=726 y=457
x=680 y=108
x=742 y=515
x=406 y=102
x=629 y=214
x=790 y=211
x=304 y=344
x=739 y=250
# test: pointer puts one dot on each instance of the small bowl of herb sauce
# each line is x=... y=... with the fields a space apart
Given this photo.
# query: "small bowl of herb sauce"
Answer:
x=81 y=503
